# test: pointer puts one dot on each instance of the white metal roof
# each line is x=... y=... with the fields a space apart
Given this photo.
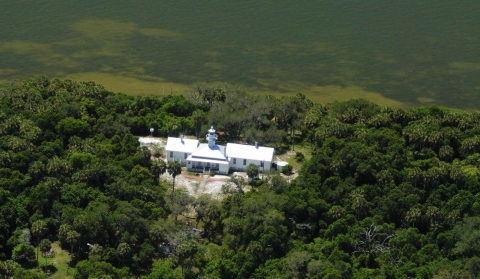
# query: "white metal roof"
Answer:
x=181 y=145
x=215 y=152
x=251 y=152
x=213 y=161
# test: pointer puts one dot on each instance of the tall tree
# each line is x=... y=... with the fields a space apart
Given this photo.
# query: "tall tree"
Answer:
x=174 y=168
x=39 y=229
x=413 y=215
x=158 y=167
x=252 y=172
x=359 y=203
x=123 y=250
x=72 y=239
x=45 y=247
x=198 y=117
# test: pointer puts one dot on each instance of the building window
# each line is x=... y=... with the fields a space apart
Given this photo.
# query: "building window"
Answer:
x=185 y=155
x=234 y=161
x=171 y=154
x=244 y=162
x=189 y=162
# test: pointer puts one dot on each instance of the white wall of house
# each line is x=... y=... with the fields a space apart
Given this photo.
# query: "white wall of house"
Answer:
x=224 y=168
x=241 y=164
x=177 y=156
x=267 y=165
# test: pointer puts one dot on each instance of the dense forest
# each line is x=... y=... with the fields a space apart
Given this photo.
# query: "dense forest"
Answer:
x=387 y=193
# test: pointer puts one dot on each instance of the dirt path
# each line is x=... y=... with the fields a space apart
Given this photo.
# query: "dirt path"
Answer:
x=205 y=184
x=198 y=185
x=201 y=187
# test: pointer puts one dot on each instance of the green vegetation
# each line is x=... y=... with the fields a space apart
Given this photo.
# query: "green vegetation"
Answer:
x=299 y=157
x=252 y=172
x=382 y=193
x=287 y=170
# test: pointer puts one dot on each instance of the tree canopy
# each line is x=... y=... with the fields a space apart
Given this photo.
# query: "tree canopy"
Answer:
x=387 y=192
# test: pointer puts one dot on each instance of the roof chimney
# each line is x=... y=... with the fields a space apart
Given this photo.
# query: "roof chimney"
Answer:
x=256 y=144
x=181 y=138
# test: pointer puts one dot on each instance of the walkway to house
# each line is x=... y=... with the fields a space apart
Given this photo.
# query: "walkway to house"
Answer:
x=206 y=184
x=201 y=187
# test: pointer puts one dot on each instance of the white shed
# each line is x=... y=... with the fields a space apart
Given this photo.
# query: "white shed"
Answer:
x=280 y=165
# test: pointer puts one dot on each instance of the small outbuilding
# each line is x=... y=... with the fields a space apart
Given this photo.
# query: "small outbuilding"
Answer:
x=281 y=165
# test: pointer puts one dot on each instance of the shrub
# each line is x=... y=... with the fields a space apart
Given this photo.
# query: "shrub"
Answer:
x=23 y=253
x=259 y=182
x=299 y=157
x=287 y=170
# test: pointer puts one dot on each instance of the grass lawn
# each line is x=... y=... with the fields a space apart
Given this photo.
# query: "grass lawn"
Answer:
x=289 y=156
x=57 y=265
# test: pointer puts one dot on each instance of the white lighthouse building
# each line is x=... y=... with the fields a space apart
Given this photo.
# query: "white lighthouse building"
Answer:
x=218 y=158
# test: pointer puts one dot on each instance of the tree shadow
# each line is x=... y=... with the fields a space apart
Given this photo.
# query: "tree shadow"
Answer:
x=49 y=269
x=28 y=264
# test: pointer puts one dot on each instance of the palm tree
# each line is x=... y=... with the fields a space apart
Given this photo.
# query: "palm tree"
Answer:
x=53 y=185
x=158 y=150
x=337 y=166
x=457 y=174
x=146 y=153
x=72 y=239
x=79 y=224
x=380 y=120
x=17 y=144
x=454 y=215
x=446 y=153
x=174 y=168
x=123 y=250
x=434 y=176
x=39 y=228
x=358 y=201
x=416 y=175
x=5 y=158
x=336 y=212
x=36 y=170
x=185 y=251
x=435 y=138
x=198 y=117
x=75 y=144
x=63 y=231
x=413 y=215
x=252 y=172
x=56 y=166
x=470 y=145
x=29 y=131
x=96 y=249
x=384 y=178
x=158 y=167
x=432 y=213
x=45 y=247
x=89 y=145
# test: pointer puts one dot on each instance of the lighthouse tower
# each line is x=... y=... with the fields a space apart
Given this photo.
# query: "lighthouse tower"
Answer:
x=211 y=137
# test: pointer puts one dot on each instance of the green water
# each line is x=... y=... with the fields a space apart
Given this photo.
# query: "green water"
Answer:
x=402 y=53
